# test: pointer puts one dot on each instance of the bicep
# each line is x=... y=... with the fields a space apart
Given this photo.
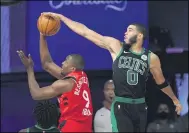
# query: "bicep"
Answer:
x=105 y=42
x=56 y=89
x=155 y=69
x=62 y=86
x=47 y=92
x=53 y=69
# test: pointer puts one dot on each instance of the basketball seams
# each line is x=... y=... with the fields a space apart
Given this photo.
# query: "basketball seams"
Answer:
x=57 y=25
x=47 y=26
x=41 y=25
x=56 y=29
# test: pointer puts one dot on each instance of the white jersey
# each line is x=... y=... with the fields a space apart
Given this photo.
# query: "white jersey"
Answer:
x=102 y=120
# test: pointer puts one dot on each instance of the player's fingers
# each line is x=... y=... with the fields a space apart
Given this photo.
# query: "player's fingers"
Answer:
x=29 y=56
x=45 y=14
x=21 y=54
x=178 y=110
x=18 y=53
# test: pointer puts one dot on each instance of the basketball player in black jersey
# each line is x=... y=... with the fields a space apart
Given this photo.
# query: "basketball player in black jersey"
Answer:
x=131 y=64
x=46 y=115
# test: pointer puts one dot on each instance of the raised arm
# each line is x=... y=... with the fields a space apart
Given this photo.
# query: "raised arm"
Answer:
x=155 y=69
x=46 y=60
x=109 y=43
x=48 y=92
x=37 y=93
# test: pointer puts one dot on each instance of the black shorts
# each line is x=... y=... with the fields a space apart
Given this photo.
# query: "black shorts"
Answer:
x=128 y=115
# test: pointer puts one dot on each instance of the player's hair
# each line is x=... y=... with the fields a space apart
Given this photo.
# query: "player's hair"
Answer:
x=46 y=114
x=141 y=29
x=78 y=61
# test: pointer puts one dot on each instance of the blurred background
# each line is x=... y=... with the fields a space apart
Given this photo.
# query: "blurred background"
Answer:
x=167 y=22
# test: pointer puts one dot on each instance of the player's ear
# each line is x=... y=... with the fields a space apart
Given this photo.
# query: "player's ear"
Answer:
x=140 y=35
x=73 y=68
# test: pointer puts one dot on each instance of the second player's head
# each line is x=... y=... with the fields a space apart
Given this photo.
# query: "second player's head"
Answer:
x=135 y=33
x=46 y=114
x=73 y=62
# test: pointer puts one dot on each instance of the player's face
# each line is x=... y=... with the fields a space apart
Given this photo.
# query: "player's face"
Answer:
x=109 y=92
x=163 y=112
x=67 y=66
x=131 y=35
x=163 y=108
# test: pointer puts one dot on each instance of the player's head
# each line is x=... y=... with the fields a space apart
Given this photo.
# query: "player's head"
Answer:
x=72 y=63
x=135 y=33
x=109 y=91
x=163 y=111
x=46 y=114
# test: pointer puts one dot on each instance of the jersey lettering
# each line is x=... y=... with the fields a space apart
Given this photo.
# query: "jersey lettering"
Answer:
x=133 y=64
x=79 y=84
x=86 y=98
x=86 y=111
x=132 y=77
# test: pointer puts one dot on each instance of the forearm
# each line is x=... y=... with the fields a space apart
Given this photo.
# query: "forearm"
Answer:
x=44 y=51
x=74 y=26
x=33 y=85
x=168 y=91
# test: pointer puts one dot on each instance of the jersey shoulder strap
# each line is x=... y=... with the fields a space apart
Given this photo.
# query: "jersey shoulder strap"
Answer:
x=71 y=75
x=148 y=53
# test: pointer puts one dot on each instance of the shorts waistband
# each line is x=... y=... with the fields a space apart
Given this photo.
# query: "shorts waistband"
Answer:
x=129 y=100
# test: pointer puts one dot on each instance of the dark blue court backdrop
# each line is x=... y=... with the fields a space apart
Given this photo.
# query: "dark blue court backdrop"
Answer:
x=105 y=17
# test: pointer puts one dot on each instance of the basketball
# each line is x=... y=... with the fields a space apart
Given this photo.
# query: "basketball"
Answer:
x=48 y=25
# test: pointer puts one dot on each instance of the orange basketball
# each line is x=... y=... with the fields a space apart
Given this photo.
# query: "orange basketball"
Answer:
x=48 y=25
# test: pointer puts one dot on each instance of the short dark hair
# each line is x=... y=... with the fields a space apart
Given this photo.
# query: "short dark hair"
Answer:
x=78 y=61
x=141 y=28
x=108 y=82
x=46 y=114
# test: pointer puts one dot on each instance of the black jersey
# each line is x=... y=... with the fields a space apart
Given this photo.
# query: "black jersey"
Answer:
x=38 y=129
x=130 y=71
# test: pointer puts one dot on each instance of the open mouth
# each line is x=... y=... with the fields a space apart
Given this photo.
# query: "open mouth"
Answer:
x=111 y=98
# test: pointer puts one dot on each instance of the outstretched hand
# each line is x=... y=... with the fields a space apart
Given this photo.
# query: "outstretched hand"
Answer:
x=27 y=61
x=55 y=15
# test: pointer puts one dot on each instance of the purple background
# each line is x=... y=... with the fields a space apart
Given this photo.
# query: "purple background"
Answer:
x=16 y=102
x=106 y=22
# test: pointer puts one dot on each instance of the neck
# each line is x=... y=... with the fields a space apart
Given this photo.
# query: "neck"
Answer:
x=107 y=104
x=137 y=47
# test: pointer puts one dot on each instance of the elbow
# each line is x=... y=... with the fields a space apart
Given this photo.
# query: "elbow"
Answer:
x=159 y=80
x=45 y=65
x=35 y=97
